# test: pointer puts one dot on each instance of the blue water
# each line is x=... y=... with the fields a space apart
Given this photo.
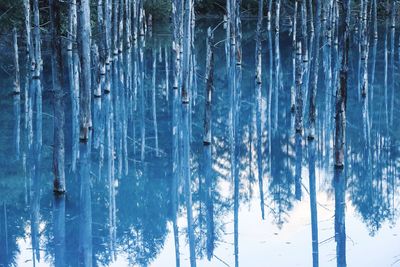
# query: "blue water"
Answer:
x=126 y=201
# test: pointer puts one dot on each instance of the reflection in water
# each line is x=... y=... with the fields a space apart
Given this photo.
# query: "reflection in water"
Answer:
x=339 y=184
x=313 y=202
x=59 y=230
x=138 y=197
x=85 y=203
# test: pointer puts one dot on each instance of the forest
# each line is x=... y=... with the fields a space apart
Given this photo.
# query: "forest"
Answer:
x=199 y=132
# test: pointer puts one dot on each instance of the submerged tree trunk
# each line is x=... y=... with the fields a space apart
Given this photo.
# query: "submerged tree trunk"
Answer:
x=58 y=79
x=258 y=87
x=277 y=14
x=37 y=69
x=37 y=40
x=207 y=139
x=28 y=33
x=392 y=52
x=17 y=83
x=341 y=94
x=73 y=73
x=84 y=31
x=294 y=43
x=314 y=70
x=299 y=90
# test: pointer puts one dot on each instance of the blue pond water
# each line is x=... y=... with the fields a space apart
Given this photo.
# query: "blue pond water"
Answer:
x=126 y=200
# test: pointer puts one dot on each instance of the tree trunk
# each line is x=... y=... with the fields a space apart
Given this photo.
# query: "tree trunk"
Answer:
x=17 y=83
x=85 y=117
x=299 y=90
x=314 y=70
x=341 y=95
x=28 y=33
x=209 y=87
x=37 y=40
x=57 y=77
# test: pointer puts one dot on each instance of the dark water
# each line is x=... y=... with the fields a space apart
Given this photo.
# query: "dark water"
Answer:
x=126 y=199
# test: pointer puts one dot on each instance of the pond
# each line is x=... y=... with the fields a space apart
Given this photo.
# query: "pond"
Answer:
x=261 y=194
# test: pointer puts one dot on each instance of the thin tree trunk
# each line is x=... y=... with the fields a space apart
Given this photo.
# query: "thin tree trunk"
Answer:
x=313 y=201
x=277 y=14
x=294 y=43
x=314 y=79
x=340 y=224
x=85 y=88
x=17 y=125
x=17 y=83
x=392 y=52
x=154 y=103
x=73 y=75
x=28 y=34
x=37 y=40
x=299 y=90
x=207 y=139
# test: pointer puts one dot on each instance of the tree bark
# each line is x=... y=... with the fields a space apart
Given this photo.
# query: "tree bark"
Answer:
x=84 y=31
x=58 y=80
x=341 y=94
x=17 y=83
x=209 y=87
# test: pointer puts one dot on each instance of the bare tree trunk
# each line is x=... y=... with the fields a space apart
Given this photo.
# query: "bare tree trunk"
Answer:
x=128 y=24
x=102 y=55
x=84 y=31
x=154 y=102
x=142 y=99
x=28 y=34
x=314 y=79
x=364 y=51
x=311 y=15
x=37 y=40
x=175 y=171
x=258 y=86
x=299 y=90
x=341 y=94
x=107 y=44
x=277 y=14
x=186 y=51
x=207 y=139
x=313 y=199
x=17 y=125
x=96 y=66
x=121 y=26
x=166 y=59
x=115 y=27
x=17 y=83
x=73 y=74
x=392 y=52
x=37 y=86
x=294 y=43
x=385 y=72
x=304 y=34
x=58 y=80
x=269 y=99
